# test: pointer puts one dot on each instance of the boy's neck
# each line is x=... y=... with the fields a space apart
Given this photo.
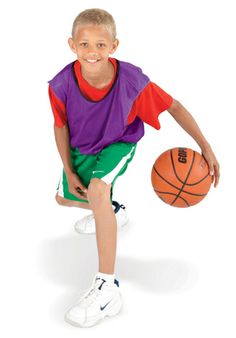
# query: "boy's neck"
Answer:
x=102 y=78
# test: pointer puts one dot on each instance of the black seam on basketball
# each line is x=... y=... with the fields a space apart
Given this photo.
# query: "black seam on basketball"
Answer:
x=161 y=198
x=164 y=179
x=188 y=184
x=190 y=193
x=185 y=179
x=170 y=193
x=202 y=179
x=177 y=188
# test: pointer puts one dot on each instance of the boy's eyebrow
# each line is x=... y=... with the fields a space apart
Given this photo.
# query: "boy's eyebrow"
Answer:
x=88 y=40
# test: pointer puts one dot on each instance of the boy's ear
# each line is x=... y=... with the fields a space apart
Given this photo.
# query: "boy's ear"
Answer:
x=115 y=45
x=72 y=45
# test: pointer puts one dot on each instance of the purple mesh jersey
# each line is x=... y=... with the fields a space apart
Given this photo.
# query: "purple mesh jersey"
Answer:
x=94 y=125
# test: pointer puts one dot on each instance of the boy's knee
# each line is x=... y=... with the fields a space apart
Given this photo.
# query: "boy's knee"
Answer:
x=98 y=189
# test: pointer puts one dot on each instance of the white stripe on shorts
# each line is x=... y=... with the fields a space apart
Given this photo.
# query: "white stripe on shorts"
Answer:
x=111 y=175
x=60 y=188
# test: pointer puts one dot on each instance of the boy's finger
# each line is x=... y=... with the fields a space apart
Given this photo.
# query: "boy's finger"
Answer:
x=211 y=169
x=203 y=163
x=82 y=190
x=212 y=179
x=217 y=177
x=211 y=173
x=80 y=194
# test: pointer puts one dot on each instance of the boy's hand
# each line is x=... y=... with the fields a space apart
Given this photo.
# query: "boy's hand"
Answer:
x=214 y=167
x=76 y=187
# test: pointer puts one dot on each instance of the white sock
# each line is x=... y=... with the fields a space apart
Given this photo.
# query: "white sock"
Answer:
x=109 y=278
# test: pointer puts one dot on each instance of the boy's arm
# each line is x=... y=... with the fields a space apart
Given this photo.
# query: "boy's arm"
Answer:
x=62 y=141
x=61 y=132
x=61 y=129
x=187 y=122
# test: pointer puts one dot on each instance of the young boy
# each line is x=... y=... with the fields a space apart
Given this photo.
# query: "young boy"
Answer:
x=99 y=105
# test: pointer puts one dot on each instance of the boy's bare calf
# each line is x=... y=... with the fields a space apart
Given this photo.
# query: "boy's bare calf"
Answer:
x=106 y=224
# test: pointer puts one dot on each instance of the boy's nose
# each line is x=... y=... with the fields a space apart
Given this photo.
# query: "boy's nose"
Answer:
x=92 y=50
x=92 y=55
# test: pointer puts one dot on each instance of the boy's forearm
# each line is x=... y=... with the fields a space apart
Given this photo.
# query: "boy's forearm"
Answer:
x=187 y=122
x=62 y=141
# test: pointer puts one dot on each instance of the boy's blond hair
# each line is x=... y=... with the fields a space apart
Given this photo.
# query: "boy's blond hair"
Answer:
x=94 y=16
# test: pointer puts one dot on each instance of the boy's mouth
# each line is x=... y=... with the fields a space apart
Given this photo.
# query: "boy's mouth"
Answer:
x=92 y=60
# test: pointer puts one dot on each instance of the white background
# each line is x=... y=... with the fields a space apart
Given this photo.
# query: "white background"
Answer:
x=176 y=266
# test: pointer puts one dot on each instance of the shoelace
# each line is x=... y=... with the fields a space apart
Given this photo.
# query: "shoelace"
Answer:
x=92 y=293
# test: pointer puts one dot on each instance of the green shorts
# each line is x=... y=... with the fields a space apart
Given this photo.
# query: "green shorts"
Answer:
x=111 y=162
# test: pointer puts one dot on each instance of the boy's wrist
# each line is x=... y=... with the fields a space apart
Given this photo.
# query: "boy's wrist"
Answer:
x=204 y=146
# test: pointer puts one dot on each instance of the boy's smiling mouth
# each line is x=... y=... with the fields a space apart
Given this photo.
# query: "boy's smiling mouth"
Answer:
x=92 y=60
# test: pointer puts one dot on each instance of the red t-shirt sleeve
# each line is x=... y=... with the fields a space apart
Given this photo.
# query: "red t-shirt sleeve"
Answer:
x=149 y=104
x=58 y=109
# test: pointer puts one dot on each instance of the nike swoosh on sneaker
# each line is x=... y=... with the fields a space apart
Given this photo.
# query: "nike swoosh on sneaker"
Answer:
x=103 y=307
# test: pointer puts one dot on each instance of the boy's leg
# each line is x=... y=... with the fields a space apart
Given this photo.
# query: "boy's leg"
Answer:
x=113 y=161
x=106 y=224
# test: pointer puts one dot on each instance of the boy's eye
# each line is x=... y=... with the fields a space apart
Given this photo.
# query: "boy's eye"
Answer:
x=83 y=44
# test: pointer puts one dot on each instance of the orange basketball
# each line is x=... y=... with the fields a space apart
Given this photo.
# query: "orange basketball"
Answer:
x=180 y=177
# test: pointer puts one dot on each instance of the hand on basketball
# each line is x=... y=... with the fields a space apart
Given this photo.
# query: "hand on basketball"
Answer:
x=76 y=187
x=214 y=167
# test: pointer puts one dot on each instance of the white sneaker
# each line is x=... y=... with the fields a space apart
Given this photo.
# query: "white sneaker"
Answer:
x=86 y=225
x=100 y=300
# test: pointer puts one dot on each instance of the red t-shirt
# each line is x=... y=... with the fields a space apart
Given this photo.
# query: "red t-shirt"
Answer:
x=148 y=105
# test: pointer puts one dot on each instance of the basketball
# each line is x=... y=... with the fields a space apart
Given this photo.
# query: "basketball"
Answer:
x=180 y=177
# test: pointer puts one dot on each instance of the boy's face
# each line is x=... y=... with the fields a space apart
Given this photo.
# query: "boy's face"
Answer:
x=93 y=45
